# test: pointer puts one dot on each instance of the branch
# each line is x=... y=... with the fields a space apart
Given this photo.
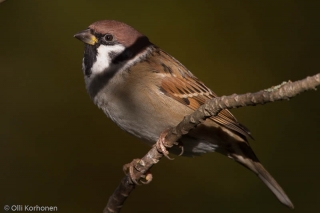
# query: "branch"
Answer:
x=139 y=168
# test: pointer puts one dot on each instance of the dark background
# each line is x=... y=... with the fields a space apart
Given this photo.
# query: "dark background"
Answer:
x=58 y=149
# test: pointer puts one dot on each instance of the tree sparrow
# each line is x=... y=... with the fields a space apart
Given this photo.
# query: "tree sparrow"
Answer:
x=145 y=91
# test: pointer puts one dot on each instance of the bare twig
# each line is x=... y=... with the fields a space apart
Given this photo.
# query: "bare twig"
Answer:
x=284 y=91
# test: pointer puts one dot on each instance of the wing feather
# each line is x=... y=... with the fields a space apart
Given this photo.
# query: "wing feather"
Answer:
x=179 y=84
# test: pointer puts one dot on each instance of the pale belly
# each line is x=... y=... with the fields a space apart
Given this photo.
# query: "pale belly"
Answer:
x=146 y=118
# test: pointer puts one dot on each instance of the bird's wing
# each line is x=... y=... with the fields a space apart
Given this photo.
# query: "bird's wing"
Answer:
x=180 y=84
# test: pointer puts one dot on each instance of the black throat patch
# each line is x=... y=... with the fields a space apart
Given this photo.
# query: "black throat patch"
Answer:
x=89 y=57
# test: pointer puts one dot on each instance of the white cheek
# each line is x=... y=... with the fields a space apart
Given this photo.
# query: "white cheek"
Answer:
x=103 y=59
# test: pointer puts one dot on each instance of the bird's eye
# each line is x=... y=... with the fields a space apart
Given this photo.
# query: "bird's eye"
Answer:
x=108 y=37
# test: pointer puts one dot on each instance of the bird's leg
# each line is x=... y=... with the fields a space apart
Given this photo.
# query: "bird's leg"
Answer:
x=135 y=175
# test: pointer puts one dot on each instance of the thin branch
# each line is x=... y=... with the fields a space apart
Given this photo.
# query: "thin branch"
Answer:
x=139 y=168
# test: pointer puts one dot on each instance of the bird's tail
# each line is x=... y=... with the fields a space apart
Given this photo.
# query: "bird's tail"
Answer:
x=247 y=158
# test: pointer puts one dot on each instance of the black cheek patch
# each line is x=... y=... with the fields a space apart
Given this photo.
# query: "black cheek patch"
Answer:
x=123 y=56
x=112 y=54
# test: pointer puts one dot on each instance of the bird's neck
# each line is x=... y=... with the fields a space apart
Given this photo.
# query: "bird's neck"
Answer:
x=105 y=71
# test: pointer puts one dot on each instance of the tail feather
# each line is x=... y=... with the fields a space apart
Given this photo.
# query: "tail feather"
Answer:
x=272 y=184
x=250 y=161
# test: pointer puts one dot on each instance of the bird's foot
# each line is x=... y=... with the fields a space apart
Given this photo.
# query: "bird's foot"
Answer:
x=160 y=145
x=135 y=175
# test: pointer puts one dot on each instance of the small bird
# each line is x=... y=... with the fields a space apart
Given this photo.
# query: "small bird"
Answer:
x=145 y=91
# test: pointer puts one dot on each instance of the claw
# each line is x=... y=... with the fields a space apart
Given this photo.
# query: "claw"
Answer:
x=182 y=149
x=180 y=145
x=148 y=177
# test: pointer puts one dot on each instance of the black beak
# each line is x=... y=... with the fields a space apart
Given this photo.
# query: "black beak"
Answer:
x=87 y=37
